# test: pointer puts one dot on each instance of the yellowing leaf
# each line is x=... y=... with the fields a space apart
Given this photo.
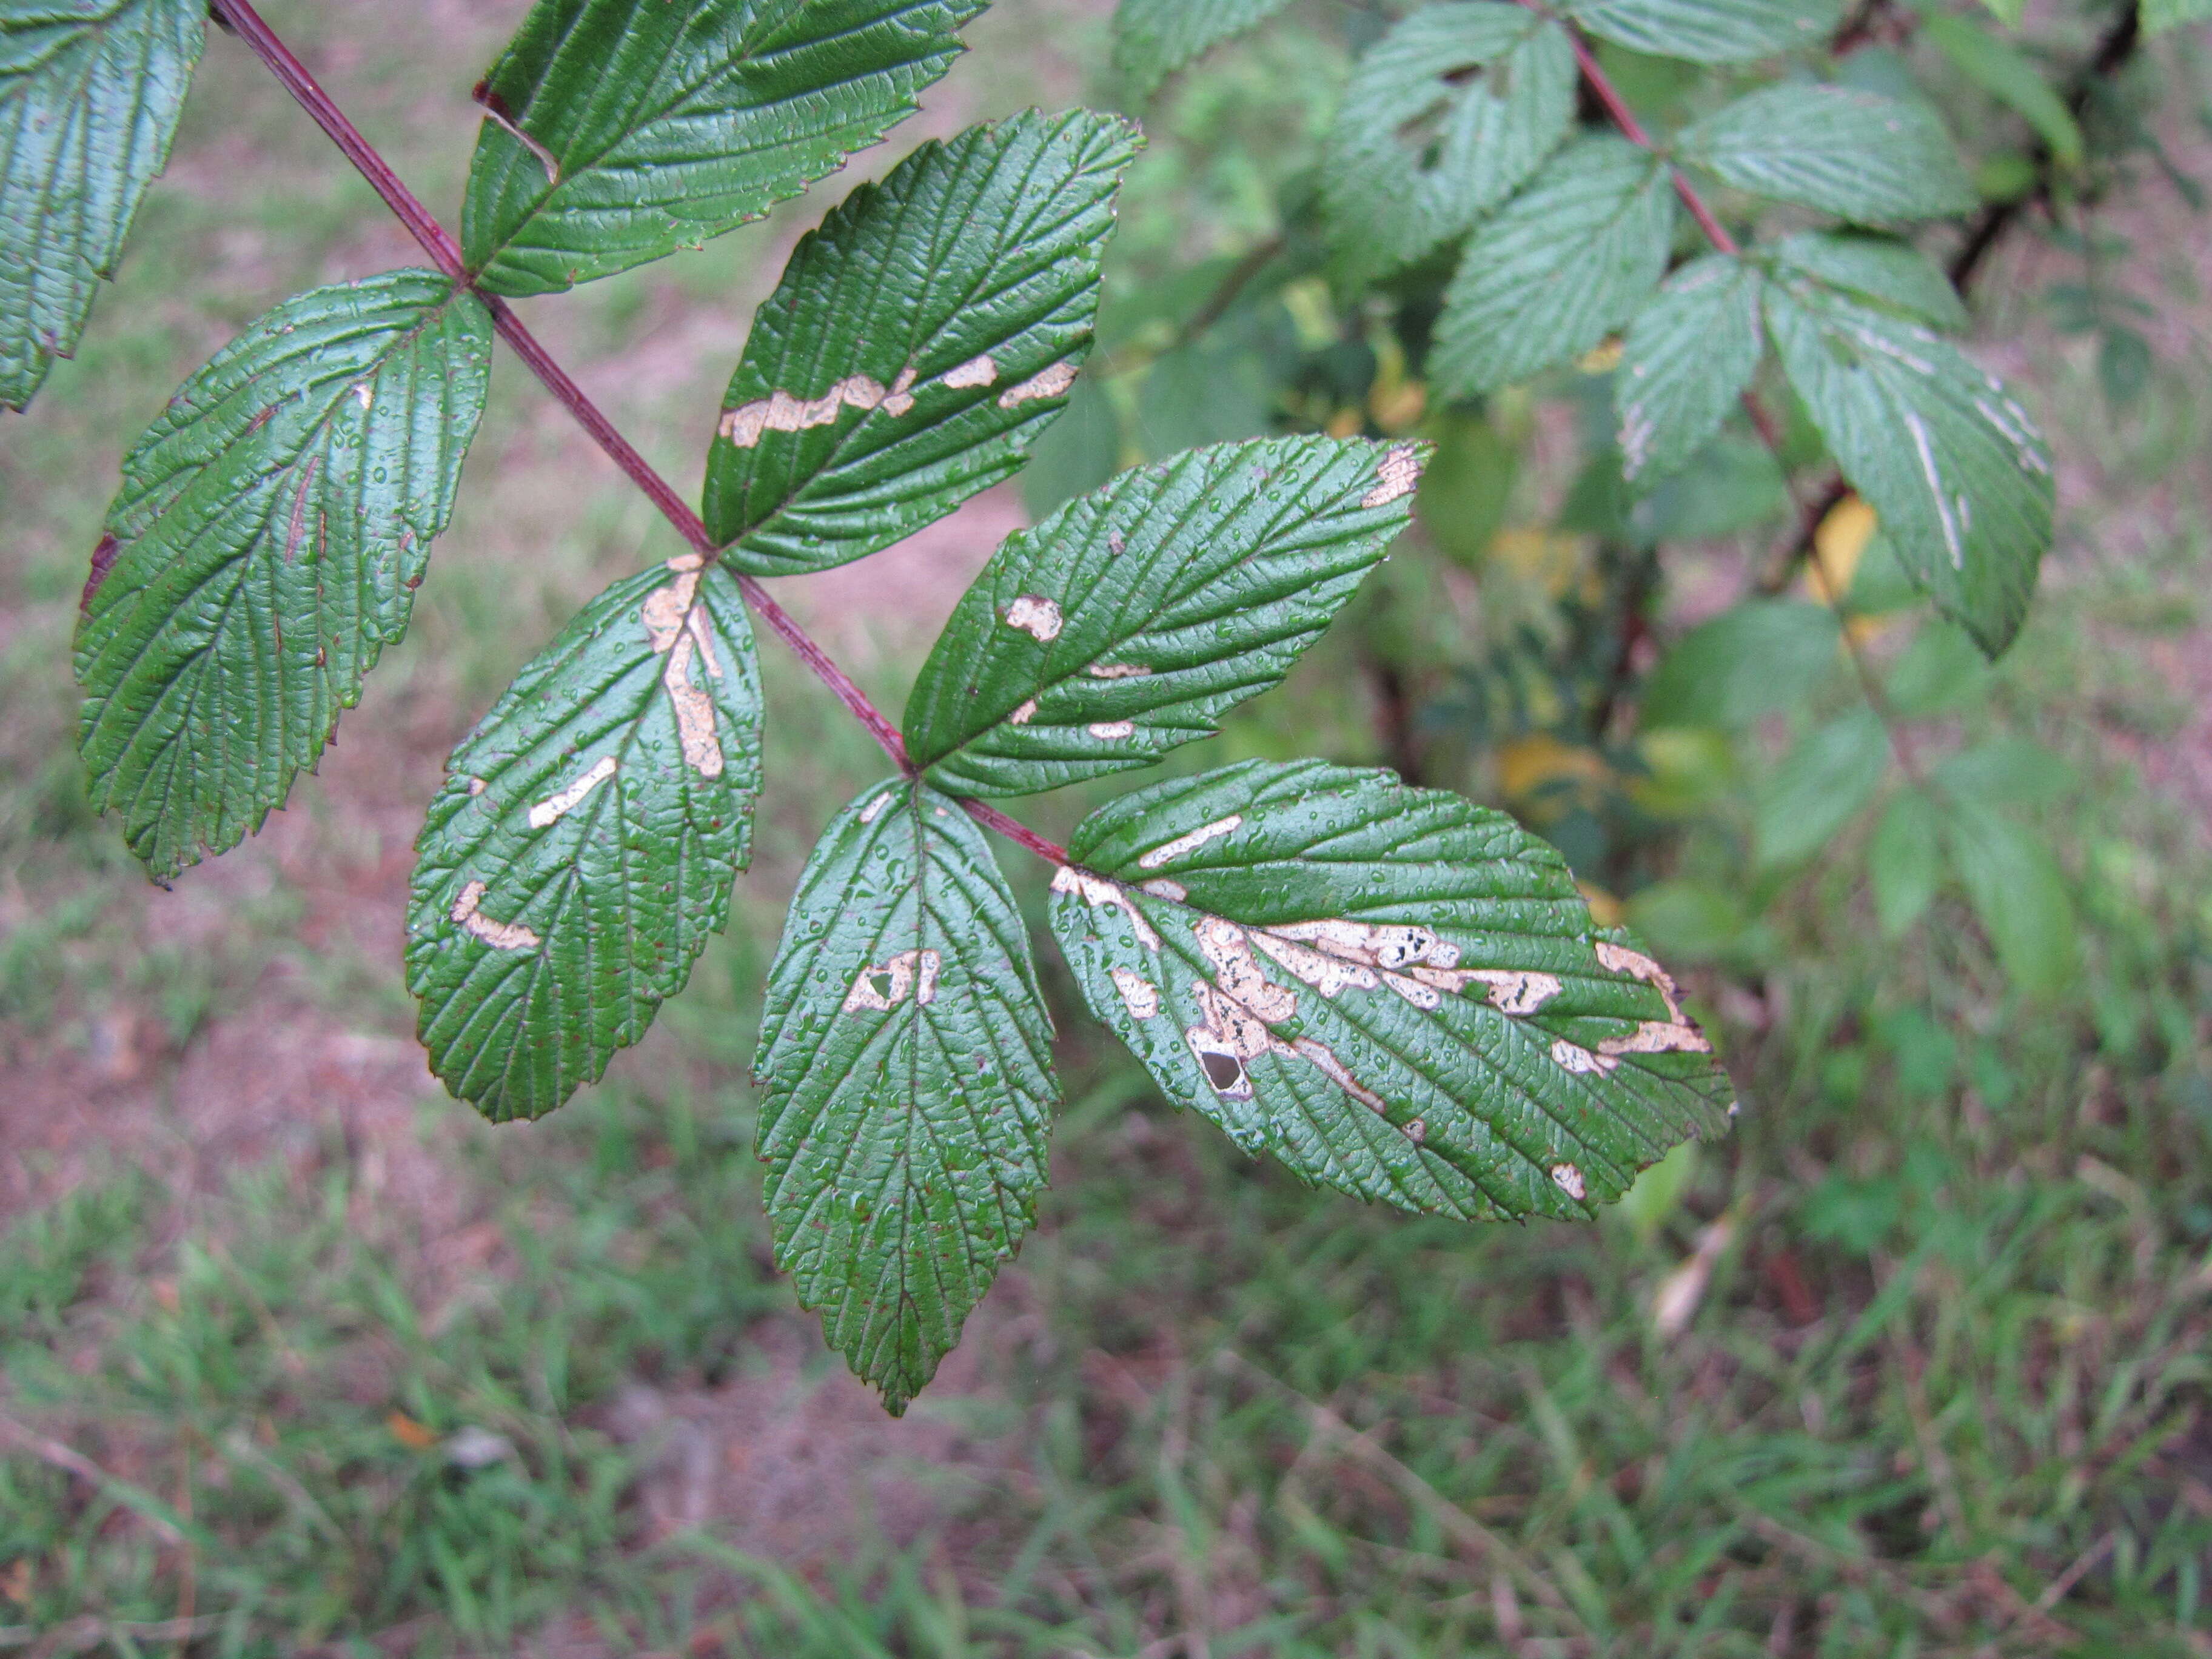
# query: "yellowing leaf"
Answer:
x=1545 y=557
x=1601 y=359
x=1528 y=764
x=1836 y=545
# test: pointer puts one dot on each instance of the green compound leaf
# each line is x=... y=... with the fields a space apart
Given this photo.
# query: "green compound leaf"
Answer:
x=1822 y=784
x=2019 y=895
x=1764 y=657
x=271 y=529
x=1708 y=31
x=1126 y=622
x=1154 y=39
x=1892 y=274
x=585 y=842
x=1872 y=160
x=90 y=95
x=2158 y=15
x=919 y=343
x=1446 y=116
x=1904 y=862
x=1563 y=263
x=620 y=131
x=906 y=1065
x=1687 y=359
x=1397 y=993
x=1954 y=468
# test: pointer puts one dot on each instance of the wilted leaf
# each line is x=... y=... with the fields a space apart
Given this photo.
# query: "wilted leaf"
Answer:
x=1397 y=993
x=271 y=529
x=1126 y=622
x=907 y=1089
x=584 y=845
x=620 y=131
x=90 y=95
x=919 y=342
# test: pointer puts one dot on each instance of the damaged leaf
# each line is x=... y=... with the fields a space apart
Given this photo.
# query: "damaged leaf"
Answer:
x=584 y=845
x=1956 y=468
x=617 y=131
x=265 y=547
x=90 y=91
x=1446 y=116
x=905 y=1061
x=1562 y=265
x=1398 y=993
x=1687 y=359
x=1130 y=620
x=919 y=343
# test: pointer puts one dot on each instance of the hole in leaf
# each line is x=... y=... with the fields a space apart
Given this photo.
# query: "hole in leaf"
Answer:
x=1223 y=1072
x=881 y=984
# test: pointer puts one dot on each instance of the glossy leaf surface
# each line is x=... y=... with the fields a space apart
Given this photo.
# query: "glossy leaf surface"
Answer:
x=1872 y=160
x=1126 y=622
x=1154 y=39
x=1688 y=360
x=1561 y=266
x=1954 y=467
x=89 y=95
x=1446 y=116
x=1397 y=993
x=271 y=529
x=920 y=342
x=905 y=1061
x=620 y=131
x=586 y=840
x=1708 y=31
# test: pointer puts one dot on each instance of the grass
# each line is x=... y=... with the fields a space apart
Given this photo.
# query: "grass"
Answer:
x=299 y=1358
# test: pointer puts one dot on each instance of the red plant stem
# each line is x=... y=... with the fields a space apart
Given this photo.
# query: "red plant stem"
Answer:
x=1633 y=129
x=1810 y=514
x=247 y=24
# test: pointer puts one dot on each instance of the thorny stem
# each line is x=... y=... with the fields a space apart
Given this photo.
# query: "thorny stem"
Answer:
x=240 y=18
